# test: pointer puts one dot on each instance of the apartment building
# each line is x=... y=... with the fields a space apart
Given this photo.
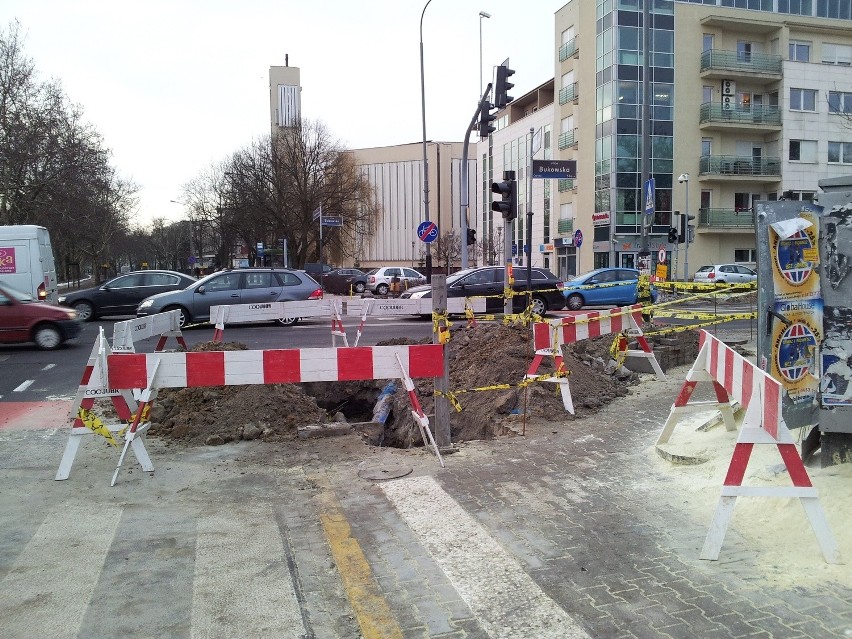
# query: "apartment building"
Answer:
x=749 y=100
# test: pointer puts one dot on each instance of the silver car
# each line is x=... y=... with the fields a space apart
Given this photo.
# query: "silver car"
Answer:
x=239 y=286
x=725 y=274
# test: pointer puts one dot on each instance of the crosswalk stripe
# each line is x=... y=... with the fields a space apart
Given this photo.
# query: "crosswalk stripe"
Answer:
x=51 y=601
x=506 y=601
x=241 y=578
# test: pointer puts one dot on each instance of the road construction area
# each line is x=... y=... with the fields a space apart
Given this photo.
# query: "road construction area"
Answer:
x=560 y=527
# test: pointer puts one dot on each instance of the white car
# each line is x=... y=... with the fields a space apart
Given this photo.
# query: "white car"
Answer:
x=725 y=274
x=379 y=280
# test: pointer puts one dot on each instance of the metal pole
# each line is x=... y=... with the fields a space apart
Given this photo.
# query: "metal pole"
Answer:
x=425 y=160
x=465 y=199
x=686 y=229
x=529 y=217
x=482 y=14
x=645 y=240
x=509 y=234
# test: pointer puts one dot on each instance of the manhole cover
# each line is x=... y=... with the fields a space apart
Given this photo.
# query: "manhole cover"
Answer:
x=378 y=472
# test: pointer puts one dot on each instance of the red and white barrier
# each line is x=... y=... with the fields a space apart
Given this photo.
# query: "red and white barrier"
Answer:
x=734 y=377
x=551 y=335
x=162 y=325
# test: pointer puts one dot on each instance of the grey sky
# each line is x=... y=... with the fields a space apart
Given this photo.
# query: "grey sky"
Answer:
x=175 y=86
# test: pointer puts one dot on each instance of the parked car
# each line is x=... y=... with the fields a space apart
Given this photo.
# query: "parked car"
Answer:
x=24 y=319
x=241 y=286
x=121 y=295
x=345 y=281
x=488 y=280
x=379 y=280
x=604 y=286
x=725 y=273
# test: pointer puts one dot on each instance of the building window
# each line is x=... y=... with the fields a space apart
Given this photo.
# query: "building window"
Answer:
x=796 y=7
x=745 y=255
x=706 y=147
x=799 y=196
x=840 y=152
x=803 y=99
x=803 y=151
x=708 y=41
x=839 y=102
x=837 y=54
x=800 y=51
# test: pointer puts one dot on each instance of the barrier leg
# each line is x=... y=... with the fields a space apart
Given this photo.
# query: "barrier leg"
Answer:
x=718 y=528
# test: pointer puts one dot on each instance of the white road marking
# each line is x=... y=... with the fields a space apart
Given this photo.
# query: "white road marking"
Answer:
x=242 y=584
x=506 y=602
x=24 y=386
x=50 y=600
x=48 y=367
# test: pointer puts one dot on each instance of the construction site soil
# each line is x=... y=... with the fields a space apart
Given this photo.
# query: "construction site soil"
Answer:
x=487 y=363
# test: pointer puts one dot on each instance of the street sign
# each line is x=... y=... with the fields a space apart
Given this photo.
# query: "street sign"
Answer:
x=578 y=238
x=190 y=260
x=555 y=169
x=332 y=220
x=427 y=232
x=661 y=256
x=260 y=249
x=650 y=194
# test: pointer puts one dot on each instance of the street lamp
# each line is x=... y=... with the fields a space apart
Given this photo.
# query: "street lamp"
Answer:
x=684 y=179
x=482 y=14
x=425 y=160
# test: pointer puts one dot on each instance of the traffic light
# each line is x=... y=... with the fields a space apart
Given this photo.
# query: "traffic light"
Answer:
x=683 y=226
x=508 y=204
x=485 y=119
x=502 y=86
x=673 y=235
x=471 y=236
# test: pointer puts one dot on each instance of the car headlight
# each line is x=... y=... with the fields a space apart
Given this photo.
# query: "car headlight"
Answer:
x=146 y=304
x=62 y=299
x=72 y=314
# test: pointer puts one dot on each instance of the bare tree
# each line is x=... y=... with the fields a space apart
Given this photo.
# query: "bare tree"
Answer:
x=448 y=250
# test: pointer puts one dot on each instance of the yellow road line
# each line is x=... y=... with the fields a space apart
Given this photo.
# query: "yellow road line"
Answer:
x=371 y=608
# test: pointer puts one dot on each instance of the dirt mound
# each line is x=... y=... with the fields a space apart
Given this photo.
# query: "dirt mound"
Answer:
x=487 y=364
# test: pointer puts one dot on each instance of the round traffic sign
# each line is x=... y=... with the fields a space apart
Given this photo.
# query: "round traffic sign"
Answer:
x=578 y=238
x=661 y=256
x=427 y=232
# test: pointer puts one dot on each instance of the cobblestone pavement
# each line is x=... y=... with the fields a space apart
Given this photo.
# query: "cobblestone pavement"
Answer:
x=576 y=530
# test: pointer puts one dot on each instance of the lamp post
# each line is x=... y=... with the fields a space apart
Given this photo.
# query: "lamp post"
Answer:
x=425 y=160
x=482 y=14
x=684 y=179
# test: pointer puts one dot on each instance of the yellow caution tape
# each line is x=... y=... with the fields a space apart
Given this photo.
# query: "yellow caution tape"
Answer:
x=615 y=352
x=452 y=396
x=91 y=421
x=696 y=315
x=689 y=327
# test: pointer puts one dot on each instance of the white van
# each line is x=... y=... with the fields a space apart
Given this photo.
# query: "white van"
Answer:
x=26 y=261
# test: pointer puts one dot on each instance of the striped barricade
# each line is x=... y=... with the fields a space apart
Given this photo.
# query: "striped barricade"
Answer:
x=162 y=325
x=736 y=378
x=333 y=307
x=550 y=336
x=153 y=371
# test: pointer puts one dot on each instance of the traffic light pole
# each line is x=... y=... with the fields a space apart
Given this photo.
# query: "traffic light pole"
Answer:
x=465 y=197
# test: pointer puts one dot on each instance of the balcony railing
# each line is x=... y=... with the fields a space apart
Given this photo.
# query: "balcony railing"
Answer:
x=565 y=225
x=565 y=185
x=568 y=49
x=726 y=217
x=719 y=60
x=743 y=165
x=568 y=94
x=568 y=139
x=714 y=112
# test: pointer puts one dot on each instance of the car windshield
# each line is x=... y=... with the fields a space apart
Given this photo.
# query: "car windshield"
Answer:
x=704 y=269
x=455 y=277
x=20 y=296
x=372 y=271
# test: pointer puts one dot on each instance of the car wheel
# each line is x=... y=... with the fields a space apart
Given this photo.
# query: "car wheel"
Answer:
x=85 y=311
x=47 y=337
x=183 y=320
x=359 y=287
x=382 y=289
x=575 y=301
x=539 y=305
x=287 y=321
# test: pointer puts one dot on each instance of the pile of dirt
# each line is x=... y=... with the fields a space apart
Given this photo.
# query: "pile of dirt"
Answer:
x=487 y=362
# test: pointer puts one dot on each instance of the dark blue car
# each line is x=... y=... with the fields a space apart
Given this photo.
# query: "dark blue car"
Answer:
x=603 y=287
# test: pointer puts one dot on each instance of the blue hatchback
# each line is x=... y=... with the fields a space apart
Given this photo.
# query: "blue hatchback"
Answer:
x=603 y=286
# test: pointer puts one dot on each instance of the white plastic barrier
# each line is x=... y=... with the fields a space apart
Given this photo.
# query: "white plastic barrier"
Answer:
x=162 y=325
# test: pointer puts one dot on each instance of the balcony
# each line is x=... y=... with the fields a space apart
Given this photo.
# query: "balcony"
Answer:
x=717 y=116
x=743 y=168
x=565 y=226
x=725 y=218
x=758 y=67
x=569 y=49
x=569 y=94
x=568 y=139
